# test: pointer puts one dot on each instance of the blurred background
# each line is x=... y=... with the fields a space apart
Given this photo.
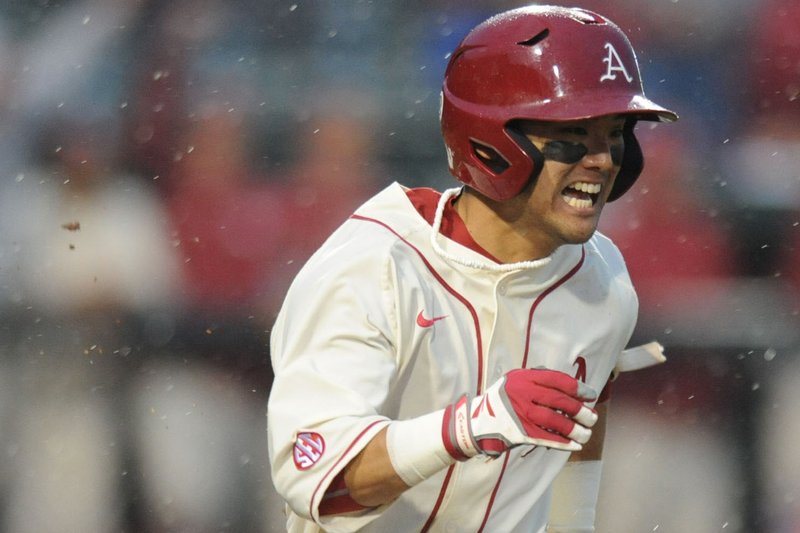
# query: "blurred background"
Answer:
x=167 y=166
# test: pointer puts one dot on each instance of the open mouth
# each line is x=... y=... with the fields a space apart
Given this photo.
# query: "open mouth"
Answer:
x=581 y=195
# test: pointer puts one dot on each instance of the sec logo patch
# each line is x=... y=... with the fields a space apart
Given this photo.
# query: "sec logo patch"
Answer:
x=308 y=448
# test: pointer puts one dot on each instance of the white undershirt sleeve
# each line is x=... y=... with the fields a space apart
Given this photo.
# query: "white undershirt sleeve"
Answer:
x=416 y=448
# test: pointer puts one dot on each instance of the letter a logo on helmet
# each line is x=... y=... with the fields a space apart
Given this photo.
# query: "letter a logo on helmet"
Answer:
x=537 y=63
x=614 y=65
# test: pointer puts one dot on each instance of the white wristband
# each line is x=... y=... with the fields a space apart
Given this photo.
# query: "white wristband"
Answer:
x=575 y=492
x=416 y=449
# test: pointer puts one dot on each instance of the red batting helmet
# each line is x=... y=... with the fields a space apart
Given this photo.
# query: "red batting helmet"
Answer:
x=537 y=63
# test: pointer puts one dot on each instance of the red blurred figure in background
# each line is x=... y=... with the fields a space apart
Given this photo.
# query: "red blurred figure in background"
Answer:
x=670 y=233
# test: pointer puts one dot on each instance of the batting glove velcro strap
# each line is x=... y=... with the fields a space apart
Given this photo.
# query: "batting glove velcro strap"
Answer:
x=525 y=407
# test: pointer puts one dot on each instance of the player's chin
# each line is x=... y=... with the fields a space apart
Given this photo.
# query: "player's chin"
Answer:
x=580 y=233
x=578 y=225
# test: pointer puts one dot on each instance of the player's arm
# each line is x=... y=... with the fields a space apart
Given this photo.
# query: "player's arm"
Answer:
x=370 y=477
x=526 y=407
x=593 y=450
x=577 y=487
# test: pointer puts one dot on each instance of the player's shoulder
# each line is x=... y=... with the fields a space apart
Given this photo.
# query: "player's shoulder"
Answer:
x=389 y=220
x=371 y=234
x=399 y=208
x=603 y=243
x=600 y=248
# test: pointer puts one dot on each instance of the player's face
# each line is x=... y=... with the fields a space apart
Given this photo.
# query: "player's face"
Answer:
x=582 y=159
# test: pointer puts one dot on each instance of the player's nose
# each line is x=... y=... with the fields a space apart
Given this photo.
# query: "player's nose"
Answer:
x=602 y=154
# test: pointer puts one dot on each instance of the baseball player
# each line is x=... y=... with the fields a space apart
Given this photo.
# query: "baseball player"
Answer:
x=440 y=360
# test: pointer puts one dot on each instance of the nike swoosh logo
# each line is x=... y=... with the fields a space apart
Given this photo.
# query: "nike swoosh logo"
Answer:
x=427 y=322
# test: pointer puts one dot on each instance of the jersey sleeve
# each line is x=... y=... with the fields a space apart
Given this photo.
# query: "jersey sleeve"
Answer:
x=334 y=359
x=611 y=269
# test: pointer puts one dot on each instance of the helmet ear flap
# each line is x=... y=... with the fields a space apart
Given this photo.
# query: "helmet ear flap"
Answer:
x=527 y=157
x=530 y=149
x=632 y=162
x=490 y=157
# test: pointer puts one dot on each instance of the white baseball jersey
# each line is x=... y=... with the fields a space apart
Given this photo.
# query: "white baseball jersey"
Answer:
x=391 y=320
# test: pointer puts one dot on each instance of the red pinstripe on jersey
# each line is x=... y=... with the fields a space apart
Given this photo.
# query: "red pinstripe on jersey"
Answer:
x=542 y=296
x=478 y=387
x=535 y=304
x=479 y=346
x=451 y=290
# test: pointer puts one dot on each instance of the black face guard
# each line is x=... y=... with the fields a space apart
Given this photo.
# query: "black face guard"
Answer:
x=632 y=162
x=628 y=156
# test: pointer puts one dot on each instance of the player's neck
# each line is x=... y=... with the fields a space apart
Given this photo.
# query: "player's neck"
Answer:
x=497 y=232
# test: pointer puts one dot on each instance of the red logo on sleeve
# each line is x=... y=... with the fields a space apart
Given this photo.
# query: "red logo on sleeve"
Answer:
x=308 y=448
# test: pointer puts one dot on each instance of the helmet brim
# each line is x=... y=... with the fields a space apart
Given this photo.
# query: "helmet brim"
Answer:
x=640 y=107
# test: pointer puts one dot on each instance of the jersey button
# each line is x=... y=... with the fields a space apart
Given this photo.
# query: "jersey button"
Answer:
x=502 y=288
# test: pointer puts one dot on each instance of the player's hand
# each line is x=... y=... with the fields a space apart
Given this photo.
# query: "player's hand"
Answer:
x=526 y=406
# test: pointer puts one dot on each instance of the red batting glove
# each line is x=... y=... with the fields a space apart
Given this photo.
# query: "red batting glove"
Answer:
x=526 y=406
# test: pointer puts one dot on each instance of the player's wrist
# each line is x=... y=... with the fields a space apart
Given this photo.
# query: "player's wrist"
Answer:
x=466 y=435
x=457 y=430
x=416 y=447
